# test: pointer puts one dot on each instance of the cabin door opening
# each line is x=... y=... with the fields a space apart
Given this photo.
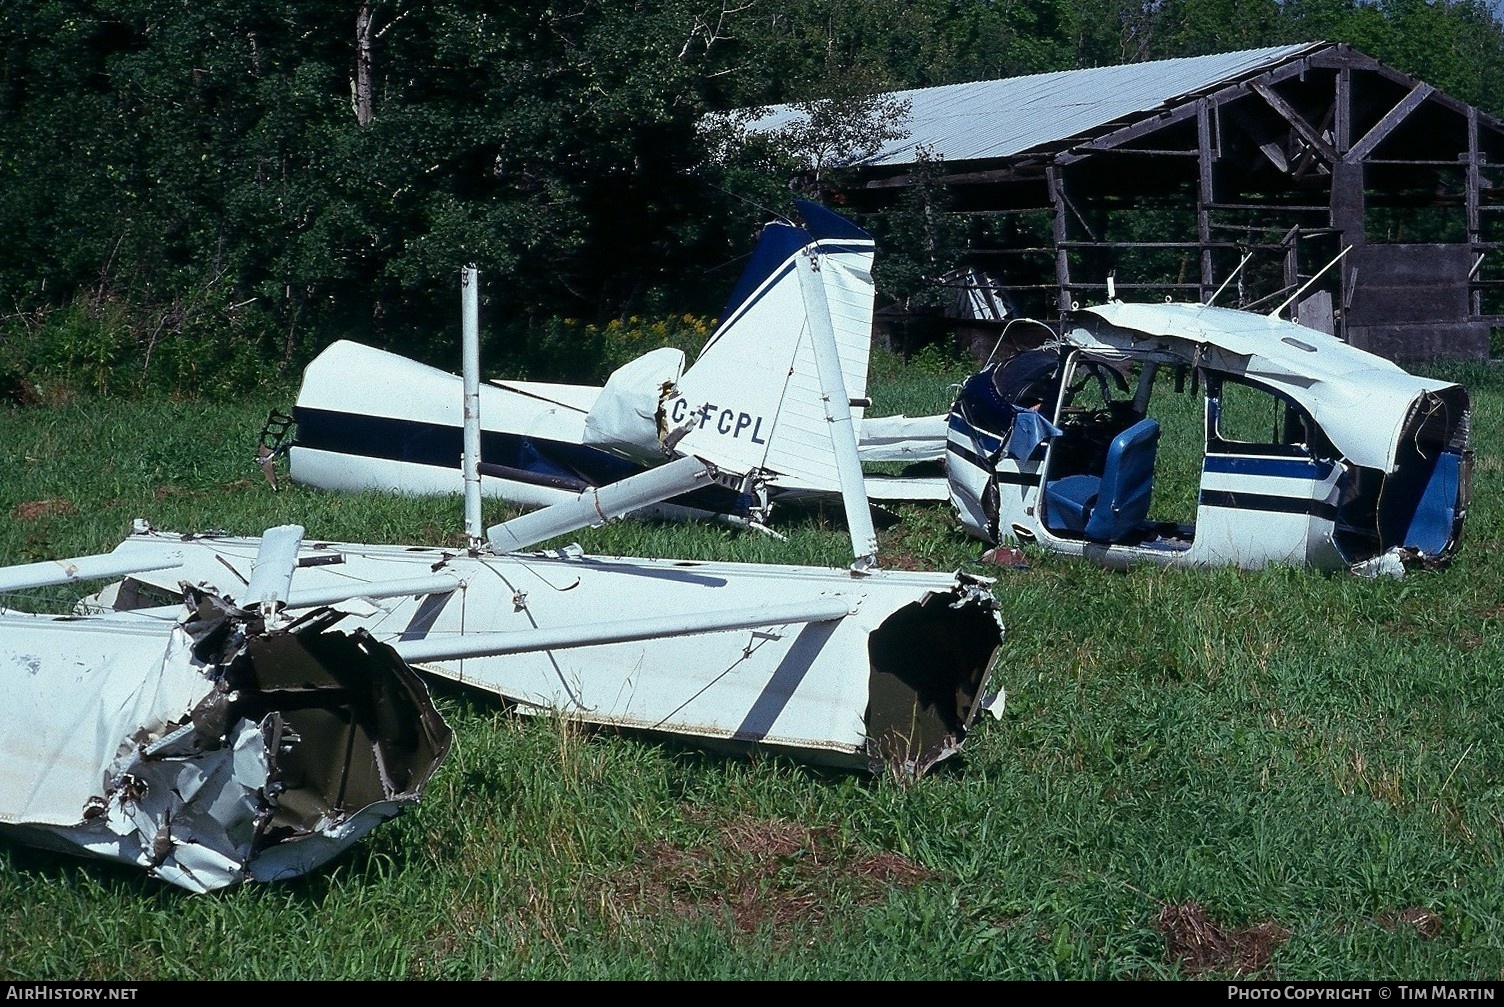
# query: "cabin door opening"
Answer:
x=1125 y=469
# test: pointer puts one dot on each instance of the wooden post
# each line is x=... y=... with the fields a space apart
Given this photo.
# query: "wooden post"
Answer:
x=1056 y=186
x=1204 y=196
x=1474 y=223
x=1347 y=198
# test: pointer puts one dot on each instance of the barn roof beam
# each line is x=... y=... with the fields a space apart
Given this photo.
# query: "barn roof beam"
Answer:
x=1381 y=129
x=1296 y=121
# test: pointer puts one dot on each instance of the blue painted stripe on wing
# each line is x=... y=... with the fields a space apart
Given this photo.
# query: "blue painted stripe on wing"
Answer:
x=791 y=671
x=427 y=614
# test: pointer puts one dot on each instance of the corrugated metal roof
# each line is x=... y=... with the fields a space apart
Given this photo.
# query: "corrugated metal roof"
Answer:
x=1000 y=118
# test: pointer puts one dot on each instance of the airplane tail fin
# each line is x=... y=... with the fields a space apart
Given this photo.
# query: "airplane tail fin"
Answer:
x=753 y=399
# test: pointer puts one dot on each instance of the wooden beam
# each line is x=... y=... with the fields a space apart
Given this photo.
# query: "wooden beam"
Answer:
x=1474 y=174
x=1127 y=133
x=1134 y=130
x=1136 y=150
x=1147 y=244
x=1291 y=207
x=1347 y=201
x=1268 y=229
x=1381 y=130
x=1309 y=160
x=1344 y=108
x=1274 y=150
x=1040 y=250
x=1120 y=285
x=1080 y=217
x=1006 y=211
x=1459 y=162
x=1062 y=262
x=1022 y=171
x=1204 y=195
x=1296 y=120
x=1474 y=219
x=1232 y=92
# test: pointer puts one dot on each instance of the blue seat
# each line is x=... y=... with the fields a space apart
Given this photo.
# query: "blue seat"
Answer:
x=1431 y=527
x=1108 y=508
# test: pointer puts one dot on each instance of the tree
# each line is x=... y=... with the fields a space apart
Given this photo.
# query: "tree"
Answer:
x=285 y=179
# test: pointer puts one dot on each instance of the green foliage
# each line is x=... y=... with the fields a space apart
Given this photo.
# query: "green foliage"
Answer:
x=832 y=133
x=551 y=148
x=173 y=155
x=1454 y=45
x=920 y=239
x=101 y=343
x=570 y=350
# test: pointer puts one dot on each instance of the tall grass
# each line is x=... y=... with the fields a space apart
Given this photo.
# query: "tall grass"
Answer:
x=1303 y=771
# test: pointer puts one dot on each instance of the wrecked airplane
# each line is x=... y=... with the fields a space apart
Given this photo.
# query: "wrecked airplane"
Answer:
x=860 y=667
x=863 y=671
x=1196 y=435
x=251 y=740
x=755 y=387
x=210 y=743
x=213 y=740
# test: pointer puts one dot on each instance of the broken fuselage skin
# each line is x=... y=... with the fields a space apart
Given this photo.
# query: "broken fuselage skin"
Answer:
x=1194 y=435
x=202 y=744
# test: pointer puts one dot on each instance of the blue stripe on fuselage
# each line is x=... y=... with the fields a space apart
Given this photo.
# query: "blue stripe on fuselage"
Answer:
x=1284 y=468
x=441 y=446
x=1241 y=500
x=988 y=442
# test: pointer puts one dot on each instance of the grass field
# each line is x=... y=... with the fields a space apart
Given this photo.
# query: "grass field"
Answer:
x=1199 y=773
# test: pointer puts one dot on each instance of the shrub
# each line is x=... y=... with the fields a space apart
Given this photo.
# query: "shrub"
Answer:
x=99 y=343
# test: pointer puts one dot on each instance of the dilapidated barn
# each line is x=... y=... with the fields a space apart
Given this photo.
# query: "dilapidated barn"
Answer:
x=1240 y=176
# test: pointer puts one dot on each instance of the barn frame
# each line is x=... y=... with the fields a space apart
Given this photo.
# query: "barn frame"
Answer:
x=1161 y=178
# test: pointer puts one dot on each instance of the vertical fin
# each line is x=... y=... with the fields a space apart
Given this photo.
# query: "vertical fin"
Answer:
x=753 y=399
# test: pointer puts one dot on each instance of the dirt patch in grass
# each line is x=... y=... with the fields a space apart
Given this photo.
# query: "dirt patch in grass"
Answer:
x=1010 y=557
x=758 y=873
x=900 y=550
x=1471 y=639
x=1199 y=944
x=35 y=510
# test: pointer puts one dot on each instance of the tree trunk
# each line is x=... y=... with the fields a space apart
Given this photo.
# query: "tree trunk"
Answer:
x=363 y=109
